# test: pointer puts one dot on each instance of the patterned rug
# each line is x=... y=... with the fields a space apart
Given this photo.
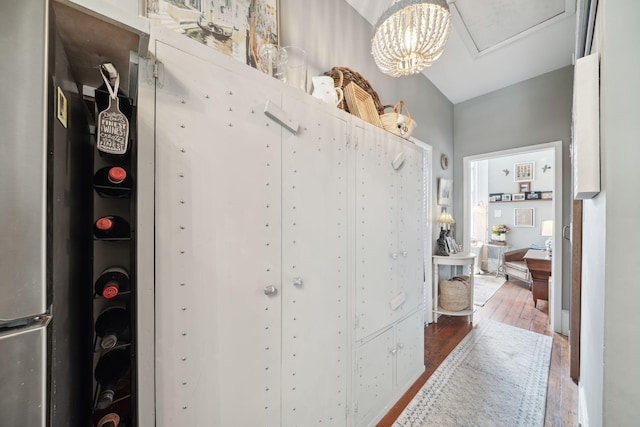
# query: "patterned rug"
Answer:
x=484 y=286
x=496 y=376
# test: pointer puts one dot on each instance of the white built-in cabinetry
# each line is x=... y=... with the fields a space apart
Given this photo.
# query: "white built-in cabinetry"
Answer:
x=289 y=268
x=389 y=271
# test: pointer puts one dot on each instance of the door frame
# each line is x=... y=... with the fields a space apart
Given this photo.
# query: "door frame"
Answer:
x=555 y=291
x=427 y=229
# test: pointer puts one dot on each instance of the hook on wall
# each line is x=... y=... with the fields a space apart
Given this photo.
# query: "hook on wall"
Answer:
x=506 y=172
x=545 y=168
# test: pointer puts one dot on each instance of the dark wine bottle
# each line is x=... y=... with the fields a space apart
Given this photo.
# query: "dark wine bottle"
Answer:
x=110 y=420
x=112 y=281
x=112 y=181
x=113 y=326
x=111 y=367
x=111 y=227
x=118 y=412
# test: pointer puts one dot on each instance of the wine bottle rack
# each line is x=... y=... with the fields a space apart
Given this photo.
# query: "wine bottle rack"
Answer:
x=110 y=252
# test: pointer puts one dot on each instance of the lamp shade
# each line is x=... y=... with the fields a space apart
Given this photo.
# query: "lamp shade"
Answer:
x=445 y=218
x=546 y=228
x=410 y=36
x=480 y=208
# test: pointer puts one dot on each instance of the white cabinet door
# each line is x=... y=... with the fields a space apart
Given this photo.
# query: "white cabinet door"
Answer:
x=373 y=377
x=389 y=237
x=410 y=349
x=376 y=235
x=411 y=270
x=314 y=267
x=218 y=246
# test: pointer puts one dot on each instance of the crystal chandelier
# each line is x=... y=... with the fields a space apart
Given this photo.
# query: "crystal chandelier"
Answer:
x=410 y=36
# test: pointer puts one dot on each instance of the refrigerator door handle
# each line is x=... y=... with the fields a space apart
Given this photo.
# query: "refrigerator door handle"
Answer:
x=23 y=325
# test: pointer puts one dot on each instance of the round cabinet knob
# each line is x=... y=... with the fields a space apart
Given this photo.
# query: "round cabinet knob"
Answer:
x=270 y=290
x=297 y=282
x=393 y=351
x=400 y=346
x=405 y=253
x=394 y=256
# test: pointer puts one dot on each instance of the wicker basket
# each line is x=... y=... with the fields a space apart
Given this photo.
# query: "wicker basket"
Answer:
x=361 y=105
x=454 y=293
x=342 y=76
x=398 y=123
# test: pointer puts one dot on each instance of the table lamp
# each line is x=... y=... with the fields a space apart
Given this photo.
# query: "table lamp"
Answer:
x=445 y=219
x=546 y=229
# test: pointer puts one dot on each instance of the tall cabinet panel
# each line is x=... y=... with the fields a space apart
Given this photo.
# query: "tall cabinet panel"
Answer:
x=218 y=231
x=376 y=235
x=314 y=268
x=411 y=214
x=389 y=198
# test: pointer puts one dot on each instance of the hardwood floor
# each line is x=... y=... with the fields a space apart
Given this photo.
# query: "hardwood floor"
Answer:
x=513 y=305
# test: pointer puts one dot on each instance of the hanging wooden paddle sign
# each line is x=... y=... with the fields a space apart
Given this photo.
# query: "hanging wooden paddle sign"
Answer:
x=113 y=127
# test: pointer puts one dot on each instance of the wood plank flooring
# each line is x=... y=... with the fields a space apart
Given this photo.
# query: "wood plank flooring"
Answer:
x=513 y=305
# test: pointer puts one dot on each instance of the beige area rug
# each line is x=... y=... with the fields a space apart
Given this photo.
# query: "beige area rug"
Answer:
x=485 y=286
x=496 y=376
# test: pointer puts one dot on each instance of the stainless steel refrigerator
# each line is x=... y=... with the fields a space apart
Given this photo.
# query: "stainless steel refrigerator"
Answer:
x=45 y=244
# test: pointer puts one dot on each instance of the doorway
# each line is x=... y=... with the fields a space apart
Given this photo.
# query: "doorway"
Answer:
x=518 y=188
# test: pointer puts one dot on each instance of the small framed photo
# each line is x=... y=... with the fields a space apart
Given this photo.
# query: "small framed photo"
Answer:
x=524 y=187
x=546 y=195
x=452 y=245
x=523 y=217
x=497 y=197
x=523 y=171
x=444 y=191
x=518 y=197
x=506 y=197
x=492 y=199
x=533 y=195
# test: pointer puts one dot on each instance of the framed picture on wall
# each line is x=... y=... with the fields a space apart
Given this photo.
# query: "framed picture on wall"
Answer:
x=523 y=217
x=444 y=191
x=518 y=197
x=524 y=171
x=506 y=197
x=237 y=28
x=533 y=195
x=524 y=187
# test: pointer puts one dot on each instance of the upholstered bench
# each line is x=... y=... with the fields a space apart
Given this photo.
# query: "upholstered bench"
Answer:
x=515 y=266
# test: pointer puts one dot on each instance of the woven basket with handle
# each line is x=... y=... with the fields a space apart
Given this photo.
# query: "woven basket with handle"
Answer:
x=398 y=123
x=342 y=76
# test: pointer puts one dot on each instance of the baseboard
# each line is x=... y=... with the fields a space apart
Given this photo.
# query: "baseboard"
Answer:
x=565 y=322
x=583 y=417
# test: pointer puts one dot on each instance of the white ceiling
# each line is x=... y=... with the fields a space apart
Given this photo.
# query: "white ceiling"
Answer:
x=495 y=43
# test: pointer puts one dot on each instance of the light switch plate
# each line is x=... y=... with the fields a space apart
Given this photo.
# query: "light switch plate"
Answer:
x=497 y=213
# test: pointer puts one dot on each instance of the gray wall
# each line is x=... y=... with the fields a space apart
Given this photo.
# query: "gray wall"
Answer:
x=334 y=34
x=498 y=182
x=609 y=373
x=528 y=113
